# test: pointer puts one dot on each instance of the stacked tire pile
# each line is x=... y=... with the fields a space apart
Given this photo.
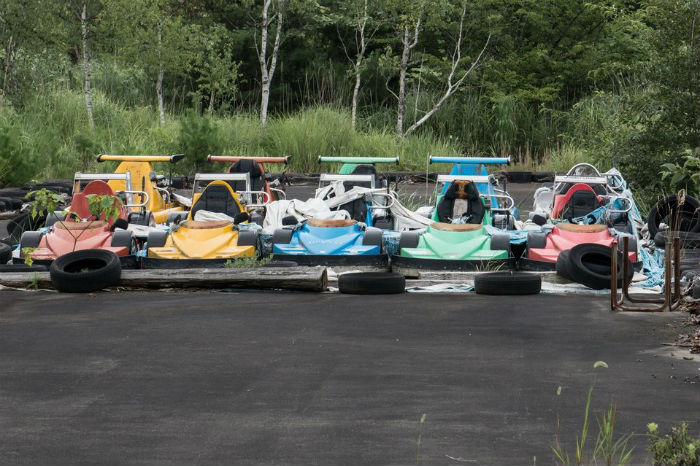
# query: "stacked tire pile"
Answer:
x=681 y=214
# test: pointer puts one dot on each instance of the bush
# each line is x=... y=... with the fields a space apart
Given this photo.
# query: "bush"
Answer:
x=16 y=156
x=674 y=449
x=198 y=138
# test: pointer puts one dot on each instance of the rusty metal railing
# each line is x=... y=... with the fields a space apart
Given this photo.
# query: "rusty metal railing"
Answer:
x=672 y=280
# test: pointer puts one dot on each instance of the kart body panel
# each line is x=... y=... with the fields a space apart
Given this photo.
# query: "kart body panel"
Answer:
x=326 y=241
x=439 y=243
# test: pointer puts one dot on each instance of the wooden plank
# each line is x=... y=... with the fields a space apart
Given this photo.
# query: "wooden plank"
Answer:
x=283 y=278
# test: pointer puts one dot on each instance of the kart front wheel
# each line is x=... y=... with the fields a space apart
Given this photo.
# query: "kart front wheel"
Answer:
x=156 y=239
x=536 y=240
x=408 y=239
x=248 y=238
x=282 y=236
x=30 y=239
x=372 y=237
x=500 y=242
x=122 y=239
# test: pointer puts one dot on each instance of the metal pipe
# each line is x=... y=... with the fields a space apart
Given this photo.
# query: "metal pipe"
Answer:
x=235 y=158
x=470 y=160
x=370 y=160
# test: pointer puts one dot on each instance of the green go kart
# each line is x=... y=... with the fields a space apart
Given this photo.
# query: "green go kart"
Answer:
x=457 y=239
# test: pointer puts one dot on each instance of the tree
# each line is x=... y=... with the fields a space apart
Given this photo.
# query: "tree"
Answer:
x=268 y=65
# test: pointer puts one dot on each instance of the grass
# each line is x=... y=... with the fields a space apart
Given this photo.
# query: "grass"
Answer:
x=246 y=262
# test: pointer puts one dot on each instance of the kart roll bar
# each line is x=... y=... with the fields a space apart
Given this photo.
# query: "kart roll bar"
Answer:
x=330 y=177
x=125 y=177
x=391 y=196
x=498 y=194
x=140 y=158
x=246 y=195
x=470 y=160
x=573 y=169
x=370 y=160
x=235 y=158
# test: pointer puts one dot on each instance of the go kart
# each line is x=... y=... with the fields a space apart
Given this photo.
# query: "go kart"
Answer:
x=457 y=239
x=85 y=226
x=210 y=234
x=160 y=200
x=582 y=207
x=259 y=179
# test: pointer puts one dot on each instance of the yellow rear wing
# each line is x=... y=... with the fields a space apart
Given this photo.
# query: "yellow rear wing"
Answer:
x=140 y=158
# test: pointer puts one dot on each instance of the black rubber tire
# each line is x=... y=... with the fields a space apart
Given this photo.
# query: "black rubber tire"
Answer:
x=536 y=240
x=122 y=238
x=156 y=239
x=10 y=268
x=668 y=207
x=373 y=237
x=282 y=236
x=248 y=238
x=5 y=253
x=24 y=222
x=176 y=217
x=85 y=271
x=371 y=283
x=54 y=217
x=589 y=264
x=507 y=283
x=562 y=266
x=688 y=239
x=519 y=176
x=408 y=239
x=500 y=242
x=30 y=239
x=141 y=218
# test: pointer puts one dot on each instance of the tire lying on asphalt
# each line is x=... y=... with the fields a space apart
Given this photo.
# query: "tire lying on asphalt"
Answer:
x=85 y=271
x=507 y=283
x=589 y=264
x=371 y=283
x=562 y=266
x=5 y=253
x=683 y=216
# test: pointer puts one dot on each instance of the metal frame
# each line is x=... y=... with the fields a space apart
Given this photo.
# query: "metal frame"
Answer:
x=236 y=158
x=331 y=177
x=126 y=177
x=602 y=180
x=498 y=193
x=472 y=178
x=140 y=158
x=246 y=195
x=672 y=280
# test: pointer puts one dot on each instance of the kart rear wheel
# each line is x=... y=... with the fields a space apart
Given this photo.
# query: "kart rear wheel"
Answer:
x=373 y=237
x=282 y=236
x=368 y=283
x=536 y=240
x=85 y=271
x=156 y=239
x=507 y=283
x=500 y=242
x=30 y=239
x=5 y=253
x=52 y=218
x=408 y=239
x=248 y=238
x=122 y=239
x=142 y=218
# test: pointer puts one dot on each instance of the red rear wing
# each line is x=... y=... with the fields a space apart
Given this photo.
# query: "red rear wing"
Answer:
x=233 y=159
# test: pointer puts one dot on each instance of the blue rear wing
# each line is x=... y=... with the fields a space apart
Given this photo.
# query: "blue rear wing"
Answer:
x=470 y=160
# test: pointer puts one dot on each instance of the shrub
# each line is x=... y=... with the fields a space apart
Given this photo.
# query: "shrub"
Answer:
x=197 y=138
x=16 y=156
x=676 y=448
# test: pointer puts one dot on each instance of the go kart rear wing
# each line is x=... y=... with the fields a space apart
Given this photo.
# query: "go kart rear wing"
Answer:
x=125 y=177
x=602 y=180
x=470 y=160
x=140 y=158
x=327 y=178
x=359 y=160
x=498 y=194
x=234 y=159
x=246 y=195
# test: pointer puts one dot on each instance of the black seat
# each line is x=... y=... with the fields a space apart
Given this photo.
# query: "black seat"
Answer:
x=247 y=166
x=580 y=203
x=358 y=208
x=451 y=208
x=216 y=198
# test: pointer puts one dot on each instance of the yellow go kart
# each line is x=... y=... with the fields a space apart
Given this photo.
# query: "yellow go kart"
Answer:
x=159 y=200
x=212 y=233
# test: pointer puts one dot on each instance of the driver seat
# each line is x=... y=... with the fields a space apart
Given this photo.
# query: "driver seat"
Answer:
x=461 y=199
x=256 y=175
x=216 y=198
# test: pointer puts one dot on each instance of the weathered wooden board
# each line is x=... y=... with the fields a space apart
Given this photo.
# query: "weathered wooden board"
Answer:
x=281 y=278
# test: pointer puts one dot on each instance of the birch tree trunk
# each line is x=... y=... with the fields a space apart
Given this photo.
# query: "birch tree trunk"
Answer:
x=159 y=81
x=86 y=65
x=267 y=70
x=408 y=44
x=362 y=47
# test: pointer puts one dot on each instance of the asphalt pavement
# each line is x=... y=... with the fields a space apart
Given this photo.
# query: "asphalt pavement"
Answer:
x=252 y=378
